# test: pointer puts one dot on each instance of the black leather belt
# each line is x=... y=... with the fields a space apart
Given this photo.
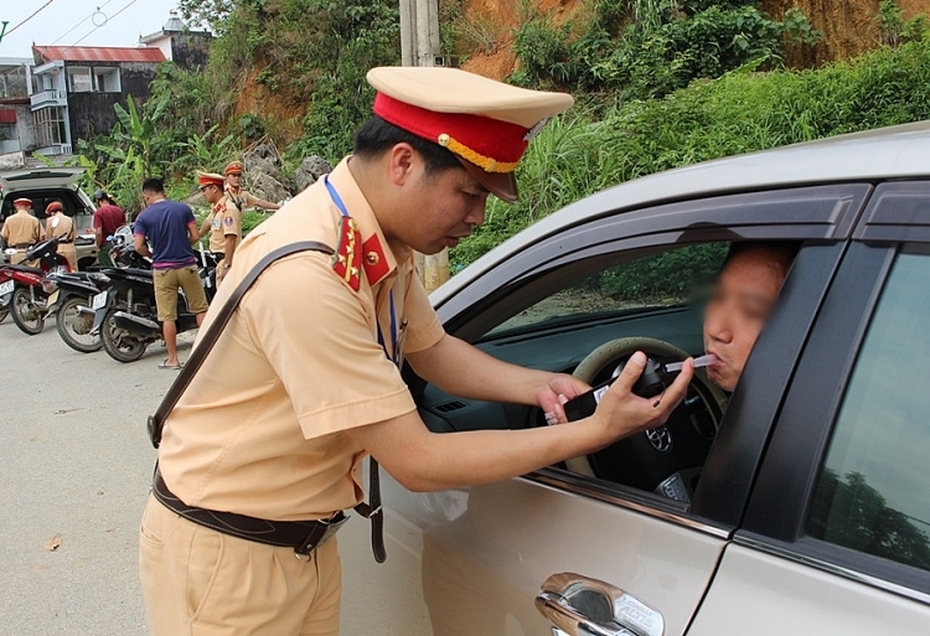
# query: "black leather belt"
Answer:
x=21 y=246
x=60 y=242
x=303 y=536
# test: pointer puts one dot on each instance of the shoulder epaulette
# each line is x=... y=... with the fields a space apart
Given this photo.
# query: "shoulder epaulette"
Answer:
x=347 y=260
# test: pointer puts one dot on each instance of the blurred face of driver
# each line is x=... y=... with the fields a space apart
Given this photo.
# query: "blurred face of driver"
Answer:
x=741 y=302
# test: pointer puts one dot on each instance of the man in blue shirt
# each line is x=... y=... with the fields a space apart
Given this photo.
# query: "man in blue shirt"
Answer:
x=172 y=230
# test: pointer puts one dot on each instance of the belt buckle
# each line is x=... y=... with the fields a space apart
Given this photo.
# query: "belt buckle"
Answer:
x=321 y=533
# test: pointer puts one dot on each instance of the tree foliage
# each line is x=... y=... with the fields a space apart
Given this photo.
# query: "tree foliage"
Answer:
x=851 y=513
x=649 y=48
x=314 y=53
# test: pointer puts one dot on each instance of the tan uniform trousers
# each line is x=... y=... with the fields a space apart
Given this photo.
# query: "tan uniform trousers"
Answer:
x=68 y=252
x=199 y=582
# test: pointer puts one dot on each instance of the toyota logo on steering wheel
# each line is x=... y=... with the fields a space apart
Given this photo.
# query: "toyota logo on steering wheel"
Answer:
x=660 y=438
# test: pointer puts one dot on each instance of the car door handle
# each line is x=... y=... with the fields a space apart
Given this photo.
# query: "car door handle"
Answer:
x=577 y=605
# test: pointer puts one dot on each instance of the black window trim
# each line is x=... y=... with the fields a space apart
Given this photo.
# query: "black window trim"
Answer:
x=832 y=212
x=779 y=505
x=814 y=394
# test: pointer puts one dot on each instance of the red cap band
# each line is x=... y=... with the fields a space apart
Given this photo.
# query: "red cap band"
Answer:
x=206 y=180
x=494 y=145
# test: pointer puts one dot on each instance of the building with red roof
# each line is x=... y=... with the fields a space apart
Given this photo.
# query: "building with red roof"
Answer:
x=73 y=89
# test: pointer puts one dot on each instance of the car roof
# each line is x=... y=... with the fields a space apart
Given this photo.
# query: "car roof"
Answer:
x=874 y=155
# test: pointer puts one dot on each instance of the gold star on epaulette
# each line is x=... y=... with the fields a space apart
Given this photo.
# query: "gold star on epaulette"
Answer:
x=347 y=261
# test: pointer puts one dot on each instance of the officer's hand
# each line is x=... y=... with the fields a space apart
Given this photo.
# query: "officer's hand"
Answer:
x=622 y=413
x=221 y=271
x=557 y=391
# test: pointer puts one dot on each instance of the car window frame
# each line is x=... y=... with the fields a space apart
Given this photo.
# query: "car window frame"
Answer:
x=815 y=212
x=778 y=510
x=821 y=215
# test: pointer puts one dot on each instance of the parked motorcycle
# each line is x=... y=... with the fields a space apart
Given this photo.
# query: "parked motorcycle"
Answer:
x=73 y=300
x=26 y=288
x=71 y=304
x=126 y=316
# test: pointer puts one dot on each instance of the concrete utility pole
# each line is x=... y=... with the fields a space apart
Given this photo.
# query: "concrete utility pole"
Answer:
x=419 y=44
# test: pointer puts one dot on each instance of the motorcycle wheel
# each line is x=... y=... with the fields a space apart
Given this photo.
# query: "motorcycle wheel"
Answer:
x=30 y=319
x=118 y=345
x=3 y=313
x=74 y=327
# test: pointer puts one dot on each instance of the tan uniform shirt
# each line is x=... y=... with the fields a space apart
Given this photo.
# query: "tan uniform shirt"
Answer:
x=241 y=199
x=225 y=219
x=21 y=229
x=61 y=227
x=261 y=430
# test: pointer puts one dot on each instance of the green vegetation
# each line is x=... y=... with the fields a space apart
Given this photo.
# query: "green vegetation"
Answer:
x=663 y=46
x=589 y=149
x=313 y=52
x=665 y=278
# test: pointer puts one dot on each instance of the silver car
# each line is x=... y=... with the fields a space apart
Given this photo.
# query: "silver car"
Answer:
x=798 y=504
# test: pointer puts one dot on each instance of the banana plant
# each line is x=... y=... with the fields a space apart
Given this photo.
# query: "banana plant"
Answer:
x=140 y=129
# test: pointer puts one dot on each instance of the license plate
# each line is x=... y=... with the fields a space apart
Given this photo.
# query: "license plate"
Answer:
x=53 y=298
x=7 y=288
x=100 y=301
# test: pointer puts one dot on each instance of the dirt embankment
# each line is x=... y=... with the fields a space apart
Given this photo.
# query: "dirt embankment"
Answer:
x=492 y=24
x=849 y=28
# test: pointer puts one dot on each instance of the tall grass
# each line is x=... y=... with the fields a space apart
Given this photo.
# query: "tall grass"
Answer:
x=587 y=149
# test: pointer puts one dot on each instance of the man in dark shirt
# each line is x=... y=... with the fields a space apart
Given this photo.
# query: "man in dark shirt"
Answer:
x=172 y=229
x=108 y=217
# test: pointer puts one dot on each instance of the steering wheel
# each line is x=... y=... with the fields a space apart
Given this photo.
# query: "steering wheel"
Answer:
x=666 y=460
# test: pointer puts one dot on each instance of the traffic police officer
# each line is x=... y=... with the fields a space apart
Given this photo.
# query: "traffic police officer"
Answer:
x=59 y=225
x=21 y=230
x=241 y=198
x=304 y=381
x=224 y=223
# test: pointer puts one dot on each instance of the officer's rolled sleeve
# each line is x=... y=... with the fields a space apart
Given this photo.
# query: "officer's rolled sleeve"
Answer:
x=321 y=343
x=423 y=325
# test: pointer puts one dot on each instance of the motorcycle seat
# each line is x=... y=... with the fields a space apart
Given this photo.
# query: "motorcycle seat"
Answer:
x=24 y=268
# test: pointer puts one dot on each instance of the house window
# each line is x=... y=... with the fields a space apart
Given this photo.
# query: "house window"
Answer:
x=50 y=126
x=107 y=79
x=80 y=80
x=13 y=84
x=7 y=132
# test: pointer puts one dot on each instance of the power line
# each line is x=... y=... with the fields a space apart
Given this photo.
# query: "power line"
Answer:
x=93 y=13
x=86 y=35
x=34 y=14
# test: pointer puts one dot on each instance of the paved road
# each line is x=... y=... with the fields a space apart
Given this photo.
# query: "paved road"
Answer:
x=75 y=463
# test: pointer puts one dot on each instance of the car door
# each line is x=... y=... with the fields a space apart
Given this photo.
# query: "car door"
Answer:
x=487 y=551
x=837 y=533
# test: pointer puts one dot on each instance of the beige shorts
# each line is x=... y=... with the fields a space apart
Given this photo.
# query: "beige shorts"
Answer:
x=198 y=581
x=167 y=282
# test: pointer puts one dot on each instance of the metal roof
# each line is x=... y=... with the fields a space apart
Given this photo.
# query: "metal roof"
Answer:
x=148 y=54
x=886 y=153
